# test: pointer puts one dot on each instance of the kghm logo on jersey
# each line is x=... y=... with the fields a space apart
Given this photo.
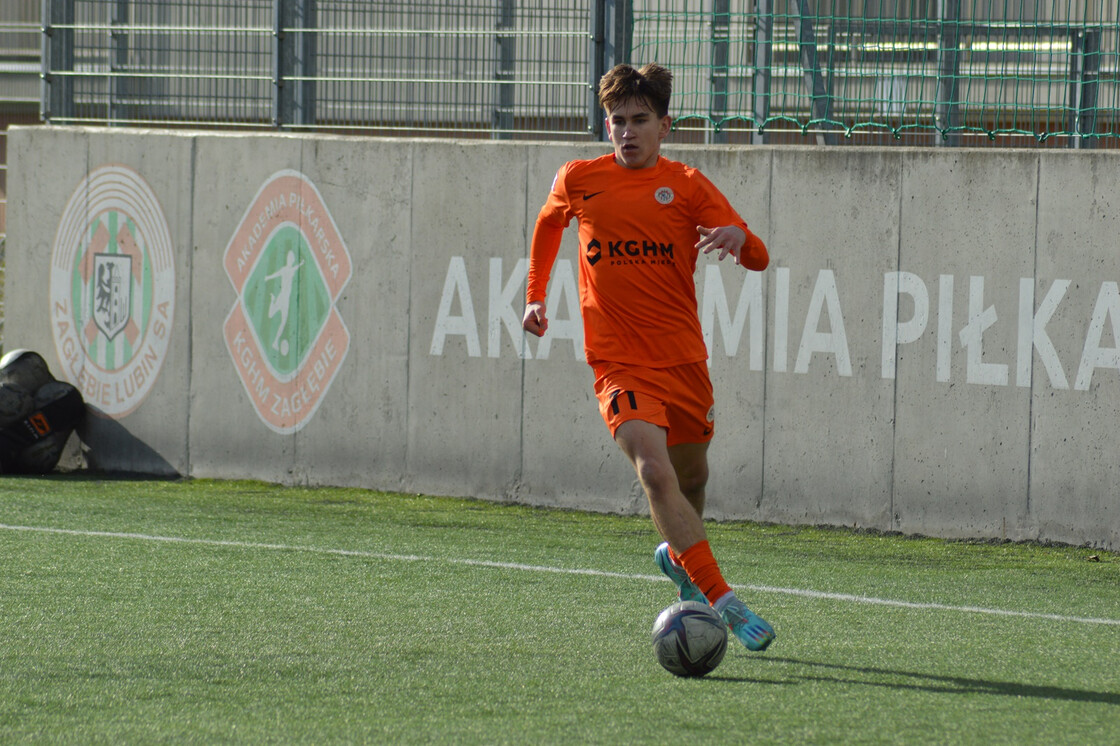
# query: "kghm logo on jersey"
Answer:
x=112 y=289
x=288 y=265
x=645 y=251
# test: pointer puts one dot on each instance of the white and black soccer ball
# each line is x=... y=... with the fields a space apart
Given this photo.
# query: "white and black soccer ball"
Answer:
x=689 y=638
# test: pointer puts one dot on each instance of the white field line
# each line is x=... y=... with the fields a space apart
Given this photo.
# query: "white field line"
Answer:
x=823 y=595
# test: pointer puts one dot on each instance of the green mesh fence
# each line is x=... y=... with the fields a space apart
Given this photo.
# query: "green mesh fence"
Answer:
x=941 y=72
x=922 y=71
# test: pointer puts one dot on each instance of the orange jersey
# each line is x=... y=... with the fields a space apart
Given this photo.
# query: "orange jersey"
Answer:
x=637 y=237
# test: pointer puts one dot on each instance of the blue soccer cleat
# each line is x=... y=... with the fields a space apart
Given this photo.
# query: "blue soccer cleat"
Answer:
x=686 y=589
x=751 y=629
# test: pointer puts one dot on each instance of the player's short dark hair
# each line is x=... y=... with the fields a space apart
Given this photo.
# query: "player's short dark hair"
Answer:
x=652 y=84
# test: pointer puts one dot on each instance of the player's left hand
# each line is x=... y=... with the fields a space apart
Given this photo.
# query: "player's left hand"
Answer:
x=728 y=239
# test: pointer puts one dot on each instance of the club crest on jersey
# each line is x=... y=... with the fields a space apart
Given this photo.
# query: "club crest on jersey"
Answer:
x=664 y=195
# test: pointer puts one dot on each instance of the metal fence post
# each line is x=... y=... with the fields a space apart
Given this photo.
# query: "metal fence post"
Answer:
x=820 y=100
x=595 y=40
x=119 y=87
x=948 y=70
x=619 y=22
x=293 y=62
x=760 y=80
x=612 y=35
x=56 y=99
x=1084 y=63
x=502 y=120
x=721 y=40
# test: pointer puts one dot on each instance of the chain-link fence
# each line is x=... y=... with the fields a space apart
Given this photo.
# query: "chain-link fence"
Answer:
x=912 y=71
x=480 y=67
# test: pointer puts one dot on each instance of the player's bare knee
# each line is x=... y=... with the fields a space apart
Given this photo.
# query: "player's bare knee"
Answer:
x=656 y=478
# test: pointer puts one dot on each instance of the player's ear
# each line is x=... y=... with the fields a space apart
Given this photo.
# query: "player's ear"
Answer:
x=664 y=127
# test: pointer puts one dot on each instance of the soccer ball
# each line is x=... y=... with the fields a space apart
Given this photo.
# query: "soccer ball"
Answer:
x=689 y=638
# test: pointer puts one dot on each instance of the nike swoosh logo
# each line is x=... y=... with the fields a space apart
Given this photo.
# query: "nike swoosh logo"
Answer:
x=592 y=194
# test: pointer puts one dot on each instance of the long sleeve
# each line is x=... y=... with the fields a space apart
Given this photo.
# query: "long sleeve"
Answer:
x=553 y=218
x=542 y=255
x=754 y=255
x=714 y=209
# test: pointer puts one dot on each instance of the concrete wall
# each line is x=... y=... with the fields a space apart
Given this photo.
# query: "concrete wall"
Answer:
x=935 y=348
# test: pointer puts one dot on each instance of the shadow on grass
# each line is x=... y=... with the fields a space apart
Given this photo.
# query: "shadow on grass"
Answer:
x=894 y=679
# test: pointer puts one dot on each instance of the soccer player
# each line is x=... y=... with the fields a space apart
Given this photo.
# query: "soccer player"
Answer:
x=643 y=221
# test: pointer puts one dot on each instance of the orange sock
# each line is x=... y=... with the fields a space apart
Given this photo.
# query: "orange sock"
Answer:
x=701 y=566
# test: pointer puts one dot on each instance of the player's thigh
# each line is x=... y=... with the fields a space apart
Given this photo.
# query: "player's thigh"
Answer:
x=644 y=443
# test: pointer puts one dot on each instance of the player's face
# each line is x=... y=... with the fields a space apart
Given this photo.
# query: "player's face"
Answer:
x=636 y=132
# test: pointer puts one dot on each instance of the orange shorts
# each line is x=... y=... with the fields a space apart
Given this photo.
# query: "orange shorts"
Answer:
x=678 y=399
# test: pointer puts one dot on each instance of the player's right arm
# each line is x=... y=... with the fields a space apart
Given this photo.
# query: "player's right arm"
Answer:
x=549 y=229
x=542 y=255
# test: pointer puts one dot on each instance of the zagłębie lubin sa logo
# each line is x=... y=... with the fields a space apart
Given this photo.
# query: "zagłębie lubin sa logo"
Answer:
x=112 y=289
x=288 y=265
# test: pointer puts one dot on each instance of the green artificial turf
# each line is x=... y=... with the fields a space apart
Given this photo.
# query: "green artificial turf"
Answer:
x=218 y=612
